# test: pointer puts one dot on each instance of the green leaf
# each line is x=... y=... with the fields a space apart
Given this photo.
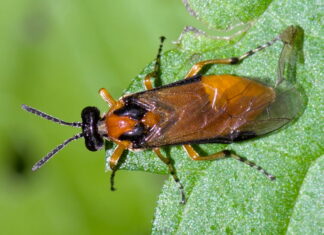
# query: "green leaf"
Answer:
x=222 y=14
x=225 y=196
x=308 y=214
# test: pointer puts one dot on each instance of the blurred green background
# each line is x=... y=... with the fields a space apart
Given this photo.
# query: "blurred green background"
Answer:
x=54 y=56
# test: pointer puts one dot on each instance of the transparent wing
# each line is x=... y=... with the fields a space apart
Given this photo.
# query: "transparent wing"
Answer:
x=288 y=105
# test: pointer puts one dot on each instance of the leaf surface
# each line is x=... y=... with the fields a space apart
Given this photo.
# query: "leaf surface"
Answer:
x=225 y=196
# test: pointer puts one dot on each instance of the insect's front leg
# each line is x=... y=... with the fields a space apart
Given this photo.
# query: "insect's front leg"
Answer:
x=107 y=97
x=223 y=154
x=113 y=163
x=157 y=67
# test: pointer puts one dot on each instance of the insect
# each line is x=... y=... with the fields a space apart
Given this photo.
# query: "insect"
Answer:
x=198 y=109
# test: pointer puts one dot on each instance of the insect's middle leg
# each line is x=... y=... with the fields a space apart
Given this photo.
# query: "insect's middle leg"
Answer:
x=223 y=154
x=156 y=72
x=172 y=171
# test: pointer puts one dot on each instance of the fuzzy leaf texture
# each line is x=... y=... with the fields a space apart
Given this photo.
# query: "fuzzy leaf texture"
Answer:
x=226 y=196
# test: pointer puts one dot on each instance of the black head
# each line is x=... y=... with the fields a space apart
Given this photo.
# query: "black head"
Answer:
x=90 y=118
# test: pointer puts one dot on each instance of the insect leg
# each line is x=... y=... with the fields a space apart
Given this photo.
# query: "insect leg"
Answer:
x=292 y=38
x=147 y=80
x=113 y=163
x=197 y=67
x=195 y=156
x=223 y=154
x=234 y=60
x=107 y=97
x=172 y=171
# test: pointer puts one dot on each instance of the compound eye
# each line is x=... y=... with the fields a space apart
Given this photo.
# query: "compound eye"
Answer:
x=93 y=143
x=90 y=117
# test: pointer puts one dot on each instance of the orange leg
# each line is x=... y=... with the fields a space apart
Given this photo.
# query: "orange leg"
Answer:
x=195 y=156
x=223 y=154
x=234 y=60
x=172 y=171
x=197 y=67
x=147 y=80
x=113 y=163
x=107 y=97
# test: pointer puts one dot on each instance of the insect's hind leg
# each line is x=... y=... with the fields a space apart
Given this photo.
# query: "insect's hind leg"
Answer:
x=292 y=38
x=172 y=171
x=156 y=72
x=196 y=68
x=223 y=154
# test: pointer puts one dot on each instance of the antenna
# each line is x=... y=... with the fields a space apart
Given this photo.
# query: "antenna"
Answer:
x=49 y=117
x=41 y=162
